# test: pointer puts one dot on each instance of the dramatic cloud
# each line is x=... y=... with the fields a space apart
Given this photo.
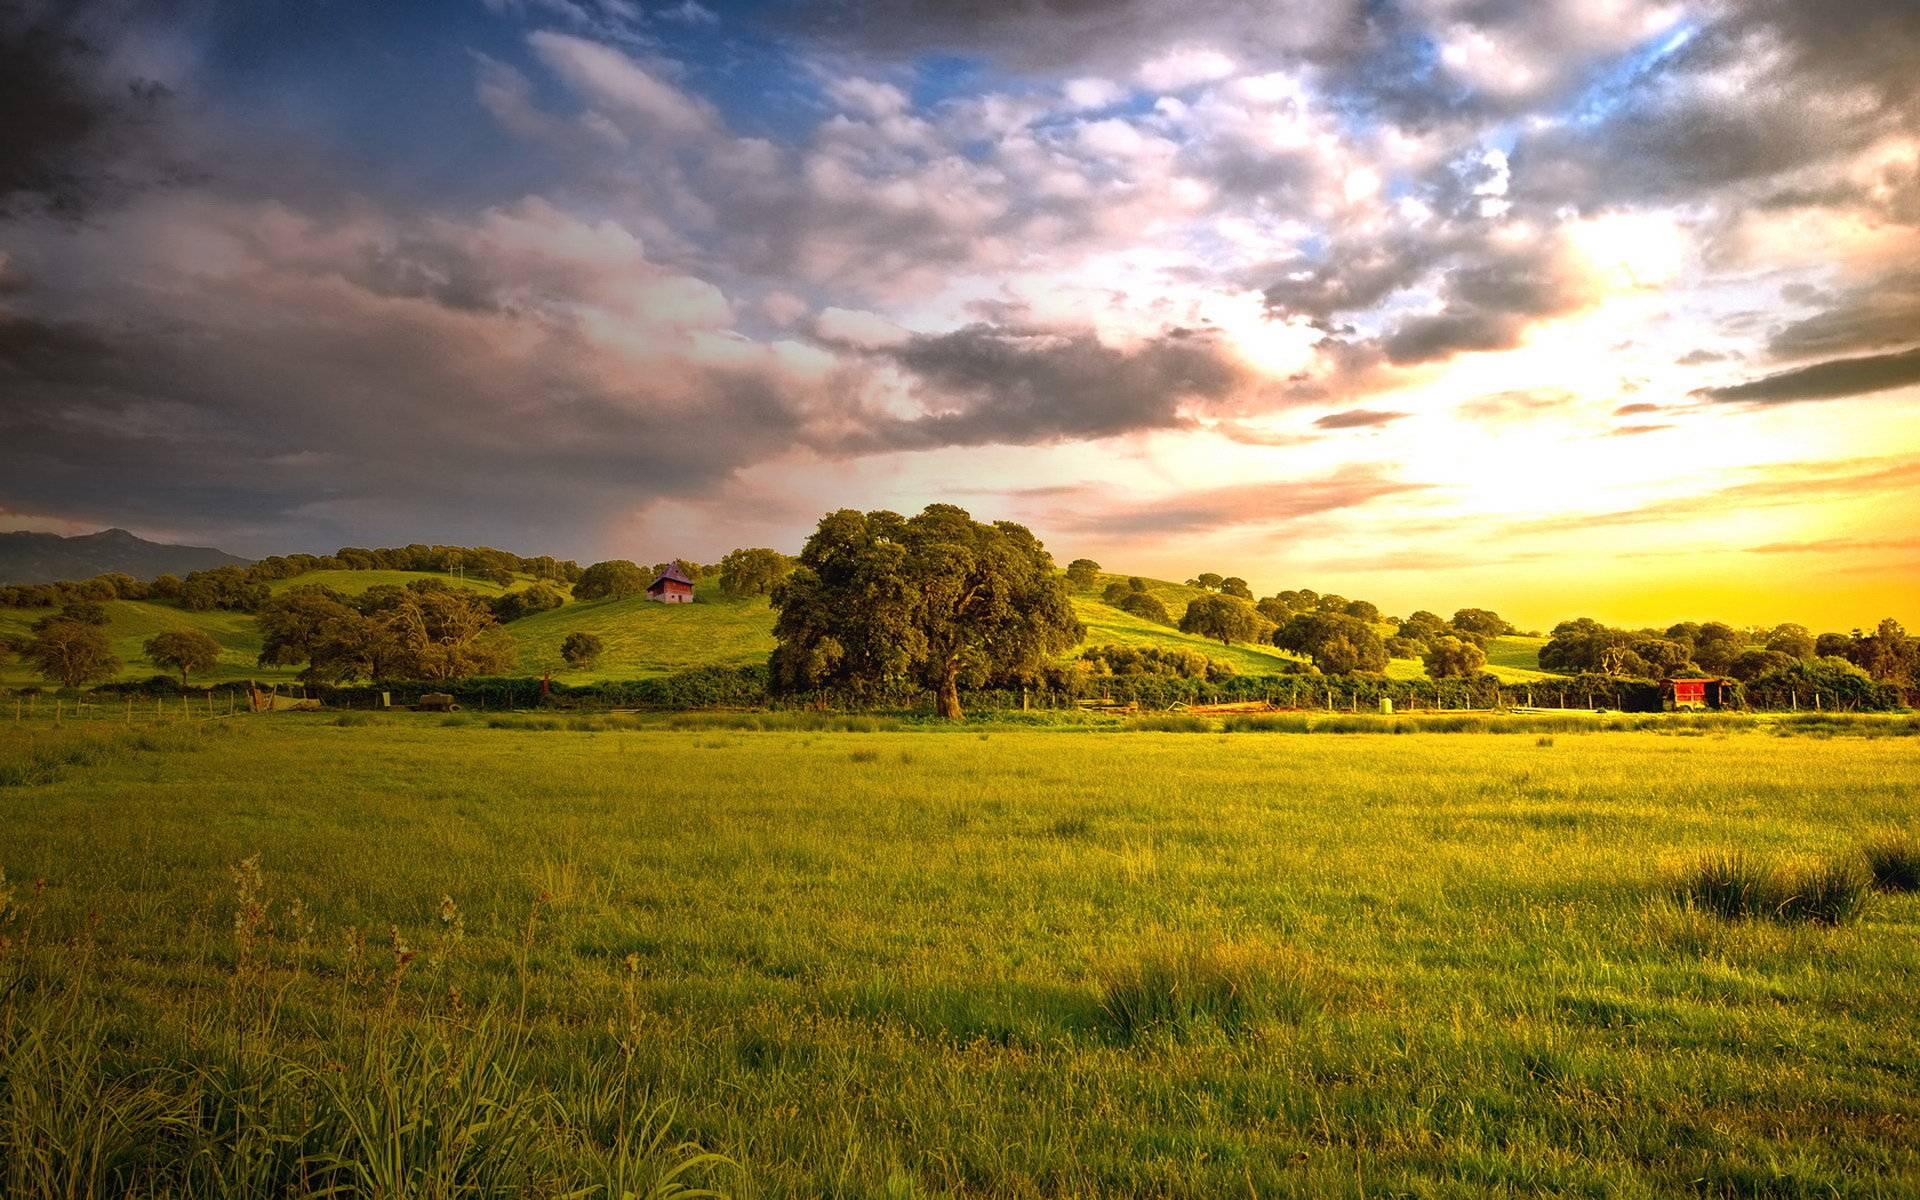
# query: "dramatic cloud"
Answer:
x=588 y=266
x=1829 y=380
x=1359 y=418
x=1260 y=505
x=995 y=384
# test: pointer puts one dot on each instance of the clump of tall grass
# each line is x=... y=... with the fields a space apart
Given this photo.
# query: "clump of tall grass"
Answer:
x=1071 y=827
x=1171 y=723
x=1893 y=858
x=1182 y=988
x=1738 y=886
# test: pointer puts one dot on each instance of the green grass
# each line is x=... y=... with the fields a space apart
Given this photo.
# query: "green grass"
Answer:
x=1515 y=659
x=645 y=638
x=352 y=583
x=896 y=963
x=132 y=622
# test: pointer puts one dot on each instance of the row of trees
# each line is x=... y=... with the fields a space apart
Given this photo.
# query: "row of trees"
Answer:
x=425 y=630
x=753 y=571
x=1887 y=654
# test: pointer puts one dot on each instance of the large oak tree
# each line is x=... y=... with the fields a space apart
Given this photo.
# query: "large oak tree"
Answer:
x=72 y=653
x=938 y=599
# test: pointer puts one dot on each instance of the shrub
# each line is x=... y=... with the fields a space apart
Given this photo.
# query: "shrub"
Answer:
x=582 y=649
x=1738 y=887
x=1731 y=885
x=1824 y=893
x=1893 y=858
x=1172 y=723
x=1182 y=988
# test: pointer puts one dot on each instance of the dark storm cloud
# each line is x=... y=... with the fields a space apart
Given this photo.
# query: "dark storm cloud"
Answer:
x=1883 y=312
x=68 y=124
x=306 y=397
x=1831 y=380
x=1360 y=418
x=1019 y=386
x=1488 y=304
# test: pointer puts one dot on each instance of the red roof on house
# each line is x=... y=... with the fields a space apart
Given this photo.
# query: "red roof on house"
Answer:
x=673 y=574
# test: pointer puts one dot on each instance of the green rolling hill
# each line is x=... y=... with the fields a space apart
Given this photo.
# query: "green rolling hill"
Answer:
x=132 y=622
x=645 y=640
x=352 y=583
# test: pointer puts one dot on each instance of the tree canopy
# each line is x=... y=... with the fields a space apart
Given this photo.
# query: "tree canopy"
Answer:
x=753 y=572
x=72 y=653
x=183 y=650
x=1454 y=658
x=425 y=630
x=1337 y=644
x=614 y=579
x=1226 y=618
x=938 y=599
x=582 y=649
x=1082 y=573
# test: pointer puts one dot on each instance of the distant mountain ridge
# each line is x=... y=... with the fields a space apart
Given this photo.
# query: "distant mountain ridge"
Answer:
x=48 y=557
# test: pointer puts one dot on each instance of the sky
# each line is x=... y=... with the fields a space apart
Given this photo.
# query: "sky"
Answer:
x=1560 y=307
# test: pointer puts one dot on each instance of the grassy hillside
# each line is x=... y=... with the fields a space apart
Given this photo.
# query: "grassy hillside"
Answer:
x=1516 y=659
x=352 y=583
x=132 y=622
x=645 y=638
x=1107 y=625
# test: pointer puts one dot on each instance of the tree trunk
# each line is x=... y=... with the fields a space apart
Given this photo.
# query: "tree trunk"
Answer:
x=947 y=699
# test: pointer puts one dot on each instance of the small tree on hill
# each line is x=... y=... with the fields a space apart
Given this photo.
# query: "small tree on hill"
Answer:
x=1207 y=580
x=1228 y=618
x=1482 y=621
x=1082 y=573
x=615 y=579
x=72 y=654
x=1796 y=641
x=1146 y=606
x=582 y=649
x=1454 y=658
x=183 y=650
x=1233 y=585
x=1337 y=644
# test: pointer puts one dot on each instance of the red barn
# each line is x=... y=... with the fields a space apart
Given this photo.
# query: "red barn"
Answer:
x=671 y=587
x=1698 y=693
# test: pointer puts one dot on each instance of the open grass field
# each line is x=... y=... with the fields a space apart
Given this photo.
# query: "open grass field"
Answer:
x=522 y=961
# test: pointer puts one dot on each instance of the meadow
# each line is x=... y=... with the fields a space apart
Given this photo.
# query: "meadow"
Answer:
x=413 y=955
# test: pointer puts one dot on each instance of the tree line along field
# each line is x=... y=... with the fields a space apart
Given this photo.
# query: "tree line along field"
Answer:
x=645 y=640
x=971 y=962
